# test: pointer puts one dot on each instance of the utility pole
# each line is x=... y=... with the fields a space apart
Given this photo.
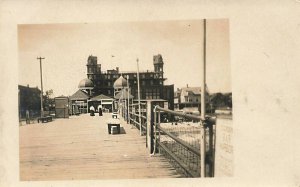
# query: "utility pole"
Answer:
x=41 y=73
x=203 y=143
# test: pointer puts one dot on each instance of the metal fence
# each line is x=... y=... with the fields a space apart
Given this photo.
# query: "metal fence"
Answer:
x=181 y=142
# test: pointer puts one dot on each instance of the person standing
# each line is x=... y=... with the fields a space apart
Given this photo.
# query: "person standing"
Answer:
x=92 y=111
x=100 y=110
x=27 y=117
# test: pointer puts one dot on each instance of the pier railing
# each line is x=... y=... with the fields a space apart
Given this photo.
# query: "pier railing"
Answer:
x=138 y=119
x=180 y=142
x=179 y=137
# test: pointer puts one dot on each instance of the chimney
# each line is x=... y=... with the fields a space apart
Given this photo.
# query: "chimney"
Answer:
x=117 y=68
x=187 y=85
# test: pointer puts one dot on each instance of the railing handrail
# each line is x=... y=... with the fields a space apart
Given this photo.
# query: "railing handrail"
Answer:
x=136 y=104
x=189 y=116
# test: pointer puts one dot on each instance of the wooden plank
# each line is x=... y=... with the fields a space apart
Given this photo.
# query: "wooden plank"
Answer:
x=80 y=148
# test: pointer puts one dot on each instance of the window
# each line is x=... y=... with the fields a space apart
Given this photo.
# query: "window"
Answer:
x=143 y=83
x=151 y=82
x=149 y=95
x=108 y=83
x=108 y=92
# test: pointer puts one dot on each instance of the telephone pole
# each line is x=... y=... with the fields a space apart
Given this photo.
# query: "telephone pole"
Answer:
x=203 y=85
x=41 y=74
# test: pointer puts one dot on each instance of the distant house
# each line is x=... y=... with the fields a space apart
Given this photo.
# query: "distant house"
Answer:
x=190 y=95
x=189 y=99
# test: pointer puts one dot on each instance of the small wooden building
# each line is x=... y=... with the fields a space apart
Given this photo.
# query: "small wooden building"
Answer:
x=79 y=102
x=61 y=107
x=104 y=101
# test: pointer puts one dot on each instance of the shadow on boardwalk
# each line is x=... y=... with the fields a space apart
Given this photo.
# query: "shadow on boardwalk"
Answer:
x=80 y=148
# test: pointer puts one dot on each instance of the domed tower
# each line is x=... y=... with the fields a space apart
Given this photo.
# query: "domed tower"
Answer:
x=119 y=84
x=86 y=85
x=158 y=66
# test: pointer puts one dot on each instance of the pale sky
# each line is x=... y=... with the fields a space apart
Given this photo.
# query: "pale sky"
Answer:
x=66 y=48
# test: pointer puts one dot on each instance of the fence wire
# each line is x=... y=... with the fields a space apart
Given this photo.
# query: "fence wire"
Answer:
x=184 y=160
x=180 y=144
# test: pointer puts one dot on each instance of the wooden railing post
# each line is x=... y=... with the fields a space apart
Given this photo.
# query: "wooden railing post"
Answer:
x=149 y=134
x=211 y=149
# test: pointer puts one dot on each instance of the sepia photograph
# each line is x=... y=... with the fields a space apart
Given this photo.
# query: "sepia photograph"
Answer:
x=149 y=93
x=125 y=100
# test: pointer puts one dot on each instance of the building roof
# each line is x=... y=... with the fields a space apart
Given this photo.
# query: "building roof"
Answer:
x=123 y=94
x=79 y=95
x=120 y=82
x=86 y=84
x=101 y=97
x=62 y=96
x=193 y=90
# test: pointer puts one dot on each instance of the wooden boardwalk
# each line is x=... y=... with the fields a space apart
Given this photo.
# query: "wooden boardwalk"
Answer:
x=80 y=148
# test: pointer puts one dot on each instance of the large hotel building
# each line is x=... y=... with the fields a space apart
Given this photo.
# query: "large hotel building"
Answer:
x=106 y=83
